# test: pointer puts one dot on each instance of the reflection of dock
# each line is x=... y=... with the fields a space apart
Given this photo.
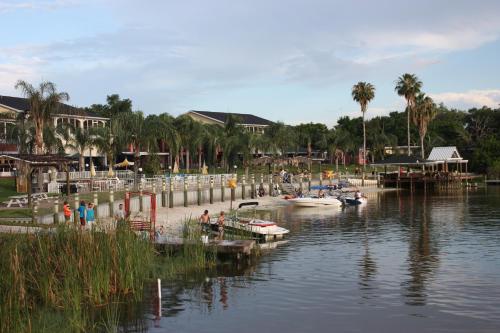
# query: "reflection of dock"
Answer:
x=221 y=247
x=493 y=182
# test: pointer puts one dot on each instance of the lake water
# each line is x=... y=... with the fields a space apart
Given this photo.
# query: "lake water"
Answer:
x=402 y=263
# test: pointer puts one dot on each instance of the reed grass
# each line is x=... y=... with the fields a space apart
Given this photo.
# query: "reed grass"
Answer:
x=67 y=272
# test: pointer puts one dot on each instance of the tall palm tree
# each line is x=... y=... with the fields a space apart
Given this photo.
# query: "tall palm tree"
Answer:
x=106 y=142
x=363 y=93
x=408 y=86
x=43 y=102
x=80 y=140
x=425 y=111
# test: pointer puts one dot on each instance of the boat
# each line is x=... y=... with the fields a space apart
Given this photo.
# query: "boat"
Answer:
x=353 y=201
x=315 y=201
x=256 y=228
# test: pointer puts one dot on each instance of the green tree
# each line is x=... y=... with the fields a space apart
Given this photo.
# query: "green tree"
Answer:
x=425 y=111
x=43 y=102
x=80 y=140
x=363 y=93
x=408 y=86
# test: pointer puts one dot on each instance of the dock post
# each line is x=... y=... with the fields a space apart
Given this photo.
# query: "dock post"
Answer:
x=185 y=192
x=320 y=179
x=211 y=189
x=378 y=179
x=309 y=182
x=96 y=203
x=198 y=190
x=111 y=203
x=170 y=193
x=164 y=192
x=252 y=186
x=243 y=187
x=140 y=198
x=76 y=214
x=301 y=185
x=222 y=188
x=56 y=211
x=270 y=184
x=35 y=212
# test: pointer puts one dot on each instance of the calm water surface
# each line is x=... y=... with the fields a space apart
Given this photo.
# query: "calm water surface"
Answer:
x=402 y=263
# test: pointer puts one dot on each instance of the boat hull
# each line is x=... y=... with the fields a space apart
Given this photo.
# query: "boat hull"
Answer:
x=315 y=202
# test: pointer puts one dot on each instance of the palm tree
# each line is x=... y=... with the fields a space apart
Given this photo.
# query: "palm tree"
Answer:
x=43 y=102
x=363 y=93
x=105 y=141
x=80 y=140
x=408 y=85
x=425 y=111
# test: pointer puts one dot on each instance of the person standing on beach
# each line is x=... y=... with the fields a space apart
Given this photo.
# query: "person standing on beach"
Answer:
x=120 y=215
x=205 y=222
x=220 y=223
x=67 y=213
x=82 y=211
x=90 y=215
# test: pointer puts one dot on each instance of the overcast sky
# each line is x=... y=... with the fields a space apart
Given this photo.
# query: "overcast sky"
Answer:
x=288 y=60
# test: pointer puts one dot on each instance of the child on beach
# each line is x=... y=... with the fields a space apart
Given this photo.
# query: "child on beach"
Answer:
x=81 y=211
x=90 y=215
x=205 y=222
x=67 y=213
x=220 y=222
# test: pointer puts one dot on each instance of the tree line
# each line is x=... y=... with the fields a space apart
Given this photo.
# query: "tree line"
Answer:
x=475 y=132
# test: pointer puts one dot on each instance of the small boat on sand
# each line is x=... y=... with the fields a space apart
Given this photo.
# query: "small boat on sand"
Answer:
x=261 y=229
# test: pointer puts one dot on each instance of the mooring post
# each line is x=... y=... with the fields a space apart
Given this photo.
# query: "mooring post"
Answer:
x=301 y=185
x=270 y=184
x=211 y=189
x=309 y=176
x=141 y=204
x=233 y=188
x=164 y=192
x=222 y=188
x=111 y=203
x=185 y=192
x=56 y=211
x=35 y=212
x=252 y=186
x=198 y=190
x=378 y=179
x=243 y=187
x=320 y=179
x=171 y=193
x=76 y=213
x=96 y=202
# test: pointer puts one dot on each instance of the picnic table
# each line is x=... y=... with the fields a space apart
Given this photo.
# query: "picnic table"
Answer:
x=21 y=200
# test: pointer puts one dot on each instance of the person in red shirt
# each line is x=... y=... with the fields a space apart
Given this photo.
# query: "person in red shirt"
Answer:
x=67 y=212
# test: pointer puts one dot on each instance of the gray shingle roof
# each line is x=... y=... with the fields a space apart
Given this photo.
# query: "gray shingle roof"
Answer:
x=247 y=119
x=21 y=104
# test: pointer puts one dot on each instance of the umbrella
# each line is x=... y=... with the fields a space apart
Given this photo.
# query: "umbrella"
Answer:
x=92 y=169
x=176 y=167
x=111 y=173
x=204 y=169
x=123 y=164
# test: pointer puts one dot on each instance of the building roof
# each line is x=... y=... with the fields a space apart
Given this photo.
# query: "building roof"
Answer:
x=21 y=104
x=47 y=159
x=444 y=154
x=246 y=119
x=402 y=160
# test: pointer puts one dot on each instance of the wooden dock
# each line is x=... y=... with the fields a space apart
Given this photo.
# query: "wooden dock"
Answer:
x=236 y=248
x=493 y=182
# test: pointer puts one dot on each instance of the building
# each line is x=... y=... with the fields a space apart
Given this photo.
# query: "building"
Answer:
x=401 y=150
x=250 y=122
x=11 y=107
x=448 y=159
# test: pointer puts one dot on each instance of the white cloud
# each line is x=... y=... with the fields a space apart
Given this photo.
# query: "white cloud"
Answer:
x=468 y=99
x=8 y=6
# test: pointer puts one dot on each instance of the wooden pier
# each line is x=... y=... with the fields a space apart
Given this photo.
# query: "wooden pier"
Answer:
x=493 y=182
x=236 y=248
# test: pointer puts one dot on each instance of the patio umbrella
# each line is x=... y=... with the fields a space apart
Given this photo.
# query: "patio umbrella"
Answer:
x=176 y=167
x=204 y=169
x=123 y=164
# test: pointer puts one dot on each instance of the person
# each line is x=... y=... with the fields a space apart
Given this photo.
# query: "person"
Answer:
x=205 y=222
x=321 y=194
x=357 y=195
x=81 y=211
x=67 y=212
x=90 y=215
x=120 y=214
x=261 y=192
x=220 y=223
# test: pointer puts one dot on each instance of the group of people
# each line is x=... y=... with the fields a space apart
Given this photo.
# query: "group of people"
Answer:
x=206 y=227
x=86 y=214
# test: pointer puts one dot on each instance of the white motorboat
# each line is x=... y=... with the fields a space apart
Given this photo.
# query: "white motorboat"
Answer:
x=264 y=230
x=315 y=201
x=353 y=201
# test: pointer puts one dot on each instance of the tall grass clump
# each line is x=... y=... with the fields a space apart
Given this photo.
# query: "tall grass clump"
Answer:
x=68 y=271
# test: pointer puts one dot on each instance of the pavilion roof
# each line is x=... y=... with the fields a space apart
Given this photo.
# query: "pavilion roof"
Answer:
x=404 y=160
x=40 y=160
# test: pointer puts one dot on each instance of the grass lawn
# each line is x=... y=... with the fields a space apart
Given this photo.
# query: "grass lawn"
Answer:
x=7 y=188
x=15 y=212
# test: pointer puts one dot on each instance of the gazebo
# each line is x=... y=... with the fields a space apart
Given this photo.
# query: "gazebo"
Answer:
x=444 y=156
x=26 y=164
